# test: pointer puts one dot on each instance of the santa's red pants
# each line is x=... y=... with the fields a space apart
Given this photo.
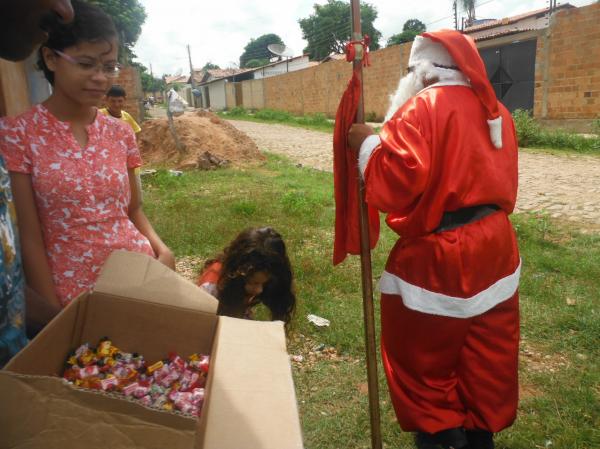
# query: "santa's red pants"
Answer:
x=447 y=372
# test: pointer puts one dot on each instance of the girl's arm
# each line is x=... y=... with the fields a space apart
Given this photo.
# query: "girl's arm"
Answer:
x=139 y=219
x=35 y=260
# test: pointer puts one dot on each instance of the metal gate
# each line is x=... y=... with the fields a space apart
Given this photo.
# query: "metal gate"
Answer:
x=511 y=70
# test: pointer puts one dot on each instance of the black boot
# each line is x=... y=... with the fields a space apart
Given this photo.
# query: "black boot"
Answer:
x=480 y=439
x=446 y=439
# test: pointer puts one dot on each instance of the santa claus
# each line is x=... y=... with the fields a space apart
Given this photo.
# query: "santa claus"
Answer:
x=444 y=169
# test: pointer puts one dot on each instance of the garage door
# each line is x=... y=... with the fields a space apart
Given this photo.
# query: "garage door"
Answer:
x=511 y=70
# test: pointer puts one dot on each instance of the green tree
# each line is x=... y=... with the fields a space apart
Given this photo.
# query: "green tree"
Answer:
x=257 y=48
x=328 y=29
x=149 y=82
x=129 y=16
x=469 y=7
x=411 y=29
x=210 y=66
x=253 y=63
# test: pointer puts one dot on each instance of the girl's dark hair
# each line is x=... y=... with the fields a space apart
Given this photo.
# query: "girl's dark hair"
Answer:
x=90 y=24
x=254 y=250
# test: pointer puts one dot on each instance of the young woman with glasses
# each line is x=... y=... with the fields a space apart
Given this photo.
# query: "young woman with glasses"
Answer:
x=72 y=169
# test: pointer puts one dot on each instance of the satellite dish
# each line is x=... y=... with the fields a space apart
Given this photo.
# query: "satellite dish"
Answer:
x=178 y=72
x=281 y=50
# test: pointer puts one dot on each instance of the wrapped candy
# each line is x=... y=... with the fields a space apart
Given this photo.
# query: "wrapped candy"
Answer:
x=130 y=389
x=109 y=383
x=170 y=384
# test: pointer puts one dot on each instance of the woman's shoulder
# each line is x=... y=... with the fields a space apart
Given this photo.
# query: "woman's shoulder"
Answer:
x=34 y=117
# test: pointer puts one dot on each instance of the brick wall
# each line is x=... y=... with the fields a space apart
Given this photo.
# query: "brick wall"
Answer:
x=319 y=88
x=567 y=87
x=129 y=79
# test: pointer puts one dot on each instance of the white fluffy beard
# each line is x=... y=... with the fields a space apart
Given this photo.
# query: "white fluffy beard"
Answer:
x=408 y=87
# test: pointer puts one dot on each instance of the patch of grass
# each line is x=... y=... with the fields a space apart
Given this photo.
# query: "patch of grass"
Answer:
x=238 y=111
x=197 y=214
x=531 y=134
x=317 y=122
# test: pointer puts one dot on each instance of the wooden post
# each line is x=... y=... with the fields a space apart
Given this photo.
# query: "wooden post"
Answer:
x=192 y=82
x=172 y=128
x=365 y=257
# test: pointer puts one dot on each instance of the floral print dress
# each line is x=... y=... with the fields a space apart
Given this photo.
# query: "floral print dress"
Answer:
x=82 y=194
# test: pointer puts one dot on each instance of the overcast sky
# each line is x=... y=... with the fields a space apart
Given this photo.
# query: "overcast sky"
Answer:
x=218 y=30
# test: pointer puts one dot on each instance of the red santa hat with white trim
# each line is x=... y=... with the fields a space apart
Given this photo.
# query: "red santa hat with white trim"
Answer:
x=449 y=48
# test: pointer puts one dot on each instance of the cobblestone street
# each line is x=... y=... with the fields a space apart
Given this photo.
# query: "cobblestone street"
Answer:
x=563 y=185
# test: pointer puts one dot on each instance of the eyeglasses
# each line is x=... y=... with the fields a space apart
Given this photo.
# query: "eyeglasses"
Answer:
x=110 y=69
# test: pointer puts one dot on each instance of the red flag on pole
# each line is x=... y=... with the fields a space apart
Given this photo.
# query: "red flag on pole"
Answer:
x=345 y=181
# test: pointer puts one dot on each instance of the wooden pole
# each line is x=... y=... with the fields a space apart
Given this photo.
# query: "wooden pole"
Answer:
x=365 y=258
x=192 y=82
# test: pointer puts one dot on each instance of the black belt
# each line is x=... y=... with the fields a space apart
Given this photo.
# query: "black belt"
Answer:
x=461 y=217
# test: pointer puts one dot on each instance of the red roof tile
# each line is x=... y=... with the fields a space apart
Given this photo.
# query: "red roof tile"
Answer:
x=509 y=20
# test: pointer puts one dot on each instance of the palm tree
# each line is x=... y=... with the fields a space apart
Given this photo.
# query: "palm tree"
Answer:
x=469 y=6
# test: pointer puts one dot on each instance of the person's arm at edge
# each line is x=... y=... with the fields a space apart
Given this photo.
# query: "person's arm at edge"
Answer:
x=139 y=219
x=35 y=259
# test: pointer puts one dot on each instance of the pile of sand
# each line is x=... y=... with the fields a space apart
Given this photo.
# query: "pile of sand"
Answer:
x=208 y=142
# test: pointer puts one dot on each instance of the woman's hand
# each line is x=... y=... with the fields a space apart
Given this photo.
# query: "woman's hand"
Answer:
x=167 y=258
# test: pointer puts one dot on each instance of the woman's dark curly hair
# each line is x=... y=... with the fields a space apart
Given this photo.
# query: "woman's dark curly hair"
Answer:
x=252 y=251
x=90 y=24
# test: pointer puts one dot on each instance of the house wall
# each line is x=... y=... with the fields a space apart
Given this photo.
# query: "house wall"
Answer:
x=253 y=94
x=282 y=67
x=205 y=98
x=230 y=95
x=129 y=79
x=567 y=88
x=185 y=92
x=216 y=92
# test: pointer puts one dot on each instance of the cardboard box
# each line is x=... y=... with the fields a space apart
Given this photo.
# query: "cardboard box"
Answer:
x=144 y=307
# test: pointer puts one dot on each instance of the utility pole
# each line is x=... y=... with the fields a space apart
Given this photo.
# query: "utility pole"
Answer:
x=192 y=75
x=454 y=6
x=153 y=85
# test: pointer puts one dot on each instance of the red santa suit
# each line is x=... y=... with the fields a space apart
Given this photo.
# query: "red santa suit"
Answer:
x=449 y=311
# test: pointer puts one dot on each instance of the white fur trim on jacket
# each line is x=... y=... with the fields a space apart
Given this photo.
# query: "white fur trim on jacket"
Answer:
x=366 y=149
x=422 y=300
x=425 y=49
x=496 y=131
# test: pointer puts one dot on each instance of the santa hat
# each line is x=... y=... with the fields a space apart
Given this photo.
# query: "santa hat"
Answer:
x=451 y=49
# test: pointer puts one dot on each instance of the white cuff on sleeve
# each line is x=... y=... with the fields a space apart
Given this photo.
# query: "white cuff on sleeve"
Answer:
x=366 y=149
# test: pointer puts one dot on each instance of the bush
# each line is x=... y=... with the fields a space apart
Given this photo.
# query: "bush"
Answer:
x=596 y=127
x=371 y=117
x=318 y=119
x=528 y=130
x=238 y=111
x=272 y=115
x=531 y=134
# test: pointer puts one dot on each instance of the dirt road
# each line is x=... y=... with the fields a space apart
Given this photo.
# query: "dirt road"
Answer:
x=564 y=186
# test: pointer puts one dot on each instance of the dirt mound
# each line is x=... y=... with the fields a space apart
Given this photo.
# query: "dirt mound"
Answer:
x=207 y=142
